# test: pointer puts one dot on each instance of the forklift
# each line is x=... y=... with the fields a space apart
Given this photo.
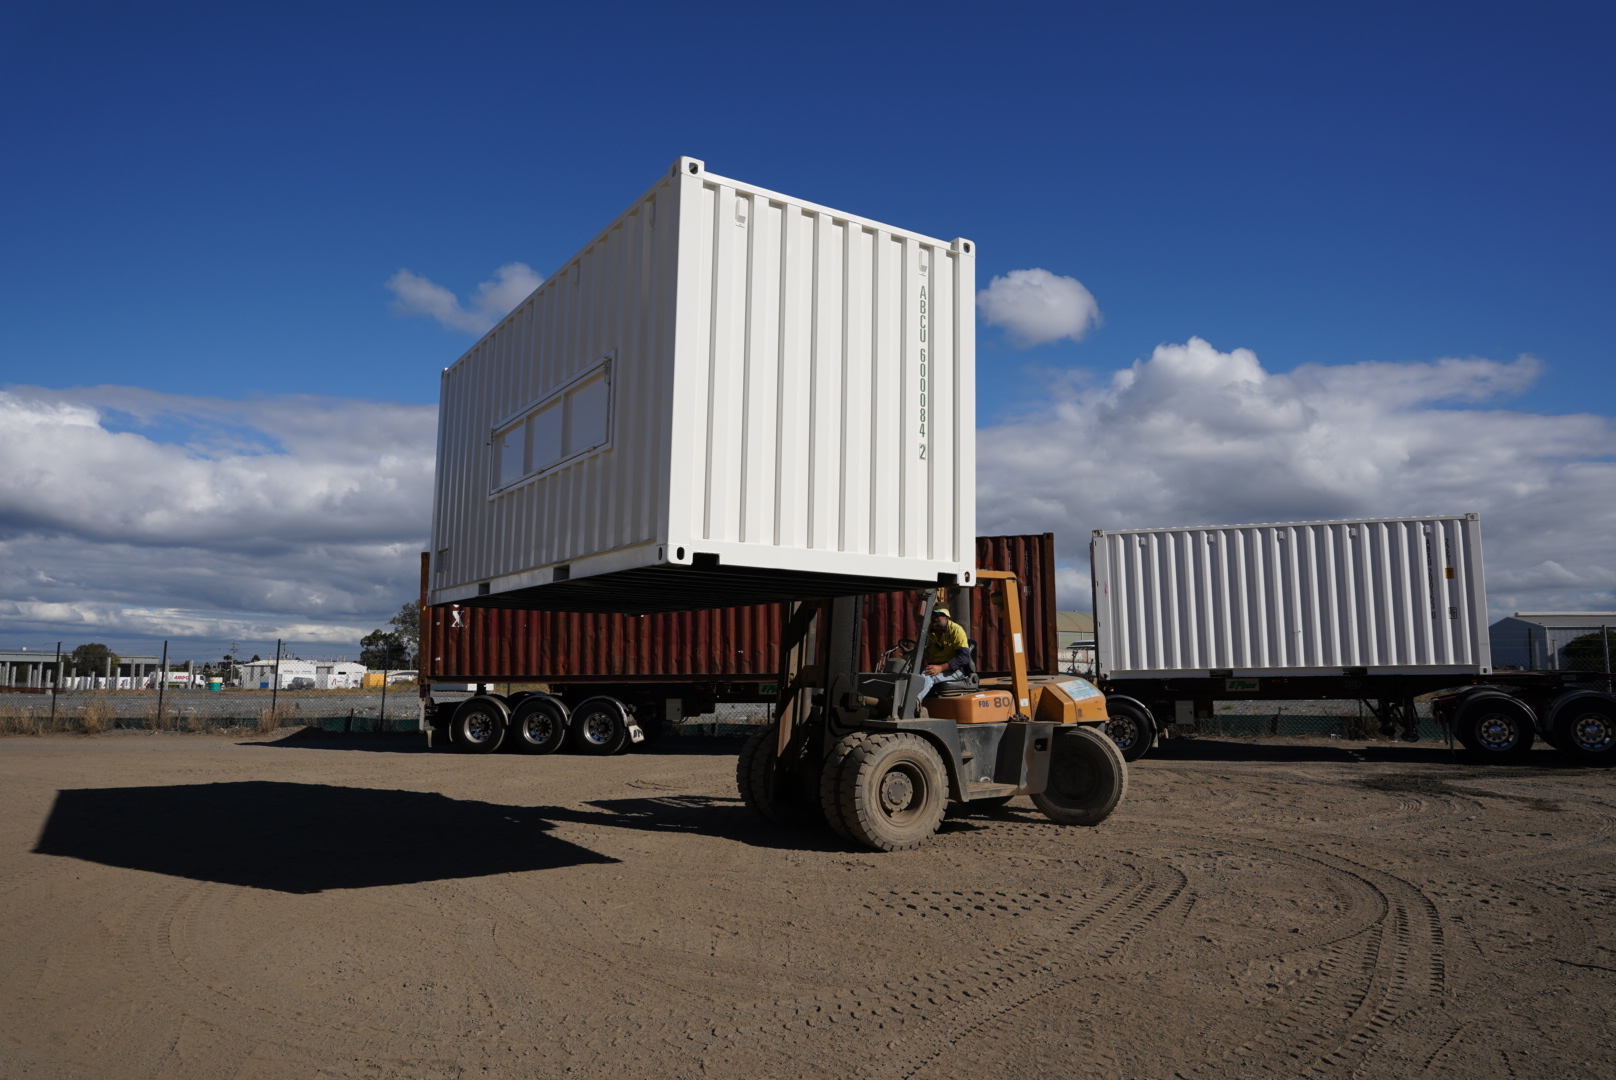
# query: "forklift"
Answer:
x=863 y=753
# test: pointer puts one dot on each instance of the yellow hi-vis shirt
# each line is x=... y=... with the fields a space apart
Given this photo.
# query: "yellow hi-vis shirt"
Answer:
x=942 y=647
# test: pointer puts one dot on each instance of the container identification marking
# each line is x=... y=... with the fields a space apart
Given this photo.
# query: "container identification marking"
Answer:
x=922 y=371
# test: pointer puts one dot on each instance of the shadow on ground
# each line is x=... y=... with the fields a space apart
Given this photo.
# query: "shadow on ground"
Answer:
x=388 y=742
x=414 y=742
x=302 y=838
x=1202 y=748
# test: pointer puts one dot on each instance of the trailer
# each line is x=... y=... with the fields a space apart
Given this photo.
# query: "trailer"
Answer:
x=1379 y=610
x=640 y=673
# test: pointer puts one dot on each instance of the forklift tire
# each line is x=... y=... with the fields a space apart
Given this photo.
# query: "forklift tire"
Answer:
x=893 y=790
x=1087 y=778
x=538 y=725
x=830 y=782
x=754 y=779
x=600 y=727
x=1585 y=730
x=478 y=726
x=1495 y=728
x=1132 y=728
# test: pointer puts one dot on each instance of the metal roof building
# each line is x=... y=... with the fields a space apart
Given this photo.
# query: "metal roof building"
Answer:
x=1537 y=641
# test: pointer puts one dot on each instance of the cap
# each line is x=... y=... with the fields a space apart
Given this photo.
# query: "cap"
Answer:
x=936 y=611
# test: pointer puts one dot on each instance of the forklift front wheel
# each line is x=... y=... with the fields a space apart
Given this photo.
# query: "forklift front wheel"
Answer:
x=757 y=777
x=894 y=791
x=1087 y=778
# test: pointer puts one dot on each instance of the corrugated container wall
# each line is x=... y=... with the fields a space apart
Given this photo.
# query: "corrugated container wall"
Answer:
x=1390 y=595
x=728 y=395
x=496 y=644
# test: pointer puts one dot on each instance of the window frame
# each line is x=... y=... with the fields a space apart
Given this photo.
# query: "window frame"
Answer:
x=602 y=368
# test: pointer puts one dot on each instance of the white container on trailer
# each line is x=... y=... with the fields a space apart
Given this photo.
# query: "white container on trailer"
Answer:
x=729 y=396
x=1376 y=596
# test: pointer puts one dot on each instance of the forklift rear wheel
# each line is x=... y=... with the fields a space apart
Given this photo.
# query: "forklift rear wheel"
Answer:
x=1494 y=727
x=600 y=727
x=539 y=725
x=478 y=725
x=894 y=791
x=755 y=780
x=1087 y=778
x=1131 y=728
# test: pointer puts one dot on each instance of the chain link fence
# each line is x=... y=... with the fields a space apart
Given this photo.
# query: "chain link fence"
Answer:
x=228 y=711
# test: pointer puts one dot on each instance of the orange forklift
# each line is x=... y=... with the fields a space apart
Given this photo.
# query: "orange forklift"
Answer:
x=862 y=752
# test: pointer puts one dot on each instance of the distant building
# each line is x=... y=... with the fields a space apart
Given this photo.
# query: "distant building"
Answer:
x=1075 y=632
x=1072 y=627
x=303 y=675
x=1537 y=640
x=26 y=668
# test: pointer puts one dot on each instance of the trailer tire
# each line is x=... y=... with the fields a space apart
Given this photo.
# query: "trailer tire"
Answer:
x=893 y=791
x=478 y=726
x=600 y=727
x=1131 y=727
x=1087 y=778
x=1585 y=729
x=1494 y=727
x=755 y=780
x=539 y=725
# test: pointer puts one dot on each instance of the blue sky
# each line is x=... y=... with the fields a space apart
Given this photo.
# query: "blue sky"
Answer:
x=209 y=200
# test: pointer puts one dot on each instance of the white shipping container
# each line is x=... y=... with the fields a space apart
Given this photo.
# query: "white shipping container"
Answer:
x=1377 y=596
x=728 y=396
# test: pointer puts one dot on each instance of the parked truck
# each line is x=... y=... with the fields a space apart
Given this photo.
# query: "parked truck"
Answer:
x=1379 y=610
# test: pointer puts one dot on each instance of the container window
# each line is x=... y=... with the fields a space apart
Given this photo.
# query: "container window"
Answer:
x=576 y=419
x=587 y=408
x=546 y=428
x=513 y=454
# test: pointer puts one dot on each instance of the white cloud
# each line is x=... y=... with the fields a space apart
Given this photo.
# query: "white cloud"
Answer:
x=1036 y=307
x=416 y=295
x=296 y=517
x=1196 y=436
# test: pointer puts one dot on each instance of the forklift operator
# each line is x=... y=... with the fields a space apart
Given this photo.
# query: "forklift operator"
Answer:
x=948 y=651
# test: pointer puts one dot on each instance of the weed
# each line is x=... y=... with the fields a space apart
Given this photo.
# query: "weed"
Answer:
x=97 y=715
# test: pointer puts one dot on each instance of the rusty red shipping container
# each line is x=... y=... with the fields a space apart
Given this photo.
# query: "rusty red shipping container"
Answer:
x=738 y=644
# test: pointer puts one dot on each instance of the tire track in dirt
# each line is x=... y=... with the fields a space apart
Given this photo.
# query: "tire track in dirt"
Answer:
x=1119 y=927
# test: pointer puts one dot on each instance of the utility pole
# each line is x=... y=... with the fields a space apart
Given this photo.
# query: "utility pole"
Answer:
x=162 y=684
x=56 y=684
x=275 y=682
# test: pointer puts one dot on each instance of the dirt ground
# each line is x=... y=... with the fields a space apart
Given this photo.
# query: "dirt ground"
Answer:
x=193 y=906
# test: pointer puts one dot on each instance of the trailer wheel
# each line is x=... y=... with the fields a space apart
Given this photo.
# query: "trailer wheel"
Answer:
x=539 y=725
x=1587 y=731
x=894 y=791
x=1087 y=778
x=478 y=725
x=1494 y=727
x=600 y=727
x=1131 y=727
x=755 y=780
